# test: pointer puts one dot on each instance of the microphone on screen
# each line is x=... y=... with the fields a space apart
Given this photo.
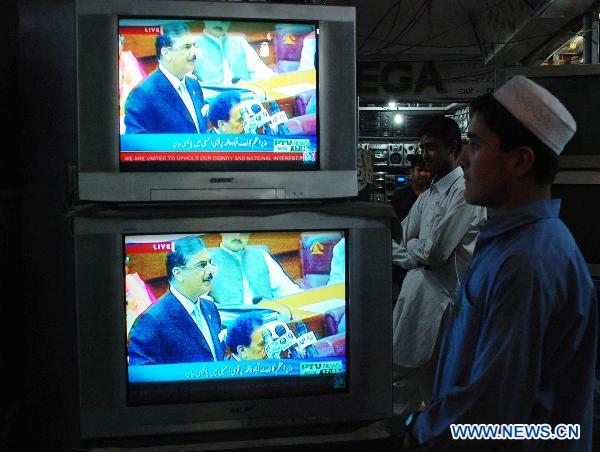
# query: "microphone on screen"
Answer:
x=271 y=347
x=306 y=339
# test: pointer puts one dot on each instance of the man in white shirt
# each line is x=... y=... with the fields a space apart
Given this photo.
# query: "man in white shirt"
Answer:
x=247 y=274
x=227 y=59
x=438 y=240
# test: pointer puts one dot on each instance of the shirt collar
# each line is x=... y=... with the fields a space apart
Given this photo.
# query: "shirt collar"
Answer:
x=217 y=40
x=188 y=304
x=501 y=222
x=172 y=79
x=444 y=184
x=236 y=254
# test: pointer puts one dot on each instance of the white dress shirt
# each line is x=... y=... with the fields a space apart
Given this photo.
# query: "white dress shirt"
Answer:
x=195 y=312
x=438 y=240
x=337 y=271
x=180 y=87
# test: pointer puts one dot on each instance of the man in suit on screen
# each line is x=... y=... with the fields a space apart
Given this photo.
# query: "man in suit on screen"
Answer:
x=184 y=325
x=170 y=100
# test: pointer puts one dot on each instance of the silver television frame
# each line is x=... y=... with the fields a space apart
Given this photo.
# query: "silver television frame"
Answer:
x=98 y=175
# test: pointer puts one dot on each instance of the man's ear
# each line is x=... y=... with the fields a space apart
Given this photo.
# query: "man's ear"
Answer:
x=522 y=160
x=177 y=273
x=241 y=350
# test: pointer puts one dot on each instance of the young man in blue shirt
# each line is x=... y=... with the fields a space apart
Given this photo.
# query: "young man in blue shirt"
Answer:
x=520 y=345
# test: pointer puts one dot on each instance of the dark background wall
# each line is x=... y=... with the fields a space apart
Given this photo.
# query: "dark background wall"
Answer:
x=12 y=358
x=38 y=352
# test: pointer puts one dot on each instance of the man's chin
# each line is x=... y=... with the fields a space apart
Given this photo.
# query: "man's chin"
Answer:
x=207 y=286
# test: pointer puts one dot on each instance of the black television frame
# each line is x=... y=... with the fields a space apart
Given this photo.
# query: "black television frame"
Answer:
x=571 y=166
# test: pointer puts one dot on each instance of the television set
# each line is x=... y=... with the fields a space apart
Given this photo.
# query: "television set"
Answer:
x=274 y=120
x=324 y=362
x=576 y=86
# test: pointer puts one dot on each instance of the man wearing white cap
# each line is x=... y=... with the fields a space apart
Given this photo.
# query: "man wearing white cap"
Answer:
x=520 y=345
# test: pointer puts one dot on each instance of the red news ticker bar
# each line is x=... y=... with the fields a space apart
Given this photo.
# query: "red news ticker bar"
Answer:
x=141 y=30
x=210 y=156
x=148 y=248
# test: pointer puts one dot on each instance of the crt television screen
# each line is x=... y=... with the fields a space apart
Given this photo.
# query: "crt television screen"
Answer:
x=217 y=95
x=229 y=316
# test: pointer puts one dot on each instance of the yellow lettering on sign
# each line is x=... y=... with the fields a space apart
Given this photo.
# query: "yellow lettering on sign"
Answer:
x=317 y=248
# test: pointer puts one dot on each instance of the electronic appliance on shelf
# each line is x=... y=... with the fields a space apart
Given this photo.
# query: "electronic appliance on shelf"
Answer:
x=348 y=380
x=380 y=154
x=396 y=155
x=576 y=86
x=300 y=125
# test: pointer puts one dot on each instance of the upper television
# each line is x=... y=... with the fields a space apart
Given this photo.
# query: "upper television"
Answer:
x=186 y=100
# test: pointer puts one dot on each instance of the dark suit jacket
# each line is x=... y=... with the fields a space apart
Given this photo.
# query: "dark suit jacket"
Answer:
x=166 y=334
x=155 y=107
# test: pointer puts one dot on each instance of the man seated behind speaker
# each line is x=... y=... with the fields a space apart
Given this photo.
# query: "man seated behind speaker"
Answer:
x=224 y=113
x=247 y=274
x=223 y=58
x=184 y=325
x=244 y=338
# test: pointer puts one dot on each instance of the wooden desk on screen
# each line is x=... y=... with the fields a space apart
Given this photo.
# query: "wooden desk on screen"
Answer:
x=282 y=86
x=293 y=306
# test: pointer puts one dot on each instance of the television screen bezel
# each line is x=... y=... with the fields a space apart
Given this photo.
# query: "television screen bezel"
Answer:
x=102 y=365
x=98 y=175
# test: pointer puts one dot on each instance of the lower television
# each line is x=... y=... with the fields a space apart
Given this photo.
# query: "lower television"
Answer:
x=220 y=322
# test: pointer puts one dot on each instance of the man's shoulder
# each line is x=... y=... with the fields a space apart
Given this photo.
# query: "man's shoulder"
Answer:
x=150 y=84
x=203 y=39
x=191 y=79
x=166 y=302
x=537 y=247
x=256 y=251
x=217 y=252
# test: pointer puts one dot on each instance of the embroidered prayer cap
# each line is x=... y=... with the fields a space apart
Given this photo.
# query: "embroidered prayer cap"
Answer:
x=538 y=110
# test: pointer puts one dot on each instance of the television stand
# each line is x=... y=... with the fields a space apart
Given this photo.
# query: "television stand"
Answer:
x=351 y=437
